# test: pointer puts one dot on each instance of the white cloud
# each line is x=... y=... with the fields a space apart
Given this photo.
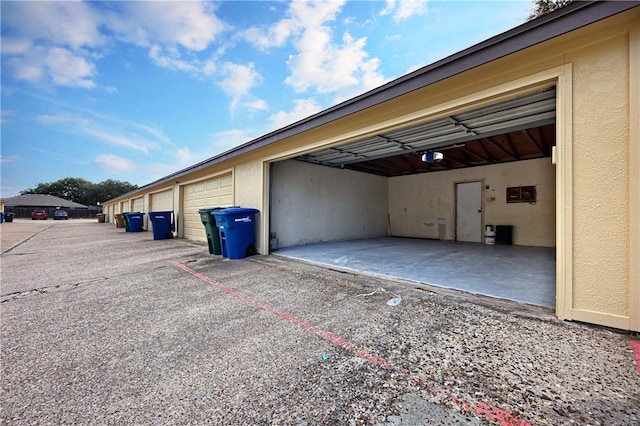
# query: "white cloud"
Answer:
x=140 y=170
x=56 y=65
x=56 y=42
x=115 y=165
x=9 y=158
x=225 y=140
x=6 y=116
x=47 y=42
x=62 y=119
x=319 y=64
x=184 y=156
x=328 y=68
x=15 y=46
x=257 y=105
x=74 y=24
x=68 y=69
x=237 y=81
x=192 y=25
x=404 y=9
x=274 y=36
x=119 y=133
x=302 y=108
x=171 y=58
x=133 y=142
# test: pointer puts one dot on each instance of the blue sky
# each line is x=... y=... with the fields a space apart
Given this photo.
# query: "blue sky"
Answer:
x=136 y=90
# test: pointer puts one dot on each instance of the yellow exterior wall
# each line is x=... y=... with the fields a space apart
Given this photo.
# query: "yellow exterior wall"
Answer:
x=423 y=206
x=601 y=178
x=596 y=71
x=249 y=184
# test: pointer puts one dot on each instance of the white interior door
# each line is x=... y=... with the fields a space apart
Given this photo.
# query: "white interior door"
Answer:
x=469 y=212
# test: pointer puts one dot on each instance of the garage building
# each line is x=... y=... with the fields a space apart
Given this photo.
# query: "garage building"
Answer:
x=538 y=129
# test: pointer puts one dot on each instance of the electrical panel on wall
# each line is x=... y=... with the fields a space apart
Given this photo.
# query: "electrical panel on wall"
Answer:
x=521 y=194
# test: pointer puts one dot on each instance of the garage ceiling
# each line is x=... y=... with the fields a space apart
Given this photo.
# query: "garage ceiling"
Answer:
x=522 y=128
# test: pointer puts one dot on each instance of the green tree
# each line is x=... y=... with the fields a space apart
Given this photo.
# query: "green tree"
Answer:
x=81 y=190
x=68 y=188
x=108 y=189
x=542 y=7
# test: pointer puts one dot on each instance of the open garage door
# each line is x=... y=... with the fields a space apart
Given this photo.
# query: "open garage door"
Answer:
x=506 y=145
x=518 y=129
x=336 y=194
x=214 y=192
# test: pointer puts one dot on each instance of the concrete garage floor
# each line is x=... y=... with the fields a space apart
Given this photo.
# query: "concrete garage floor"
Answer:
x=518 y=273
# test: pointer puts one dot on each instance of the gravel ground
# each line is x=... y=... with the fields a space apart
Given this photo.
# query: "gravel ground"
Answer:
x=100 y=326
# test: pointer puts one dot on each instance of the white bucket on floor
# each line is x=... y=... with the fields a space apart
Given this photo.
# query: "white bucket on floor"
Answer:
x=489 y=237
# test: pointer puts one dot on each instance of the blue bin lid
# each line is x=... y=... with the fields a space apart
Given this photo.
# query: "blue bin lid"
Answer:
x=234 y=211
x=156 y=215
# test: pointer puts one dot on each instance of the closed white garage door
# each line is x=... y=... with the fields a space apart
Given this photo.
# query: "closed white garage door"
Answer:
x=138 y=205
x=217 y=192
x=161 y=201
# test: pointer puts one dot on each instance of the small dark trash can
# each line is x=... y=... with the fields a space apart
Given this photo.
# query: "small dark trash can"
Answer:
x=119 y=220
x=133 y=221
x=100 y=217
x=163 y=225
x=504 y=235
x=237 y=231
x=8 y=217
x=1 y=217
x=209 y=222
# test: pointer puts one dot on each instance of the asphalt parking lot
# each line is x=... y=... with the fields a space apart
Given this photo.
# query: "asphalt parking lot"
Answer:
x=99 y=326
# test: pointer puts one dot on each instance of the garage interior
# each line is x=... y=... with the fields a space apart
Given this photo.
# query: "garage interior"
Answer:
x=382 y=205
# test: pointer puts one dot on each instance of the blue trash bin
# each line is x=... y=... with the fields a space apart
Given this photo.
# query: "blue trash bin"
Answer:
x=237 y=231
x=135 y=221
x=1 y=217
x=163 y=225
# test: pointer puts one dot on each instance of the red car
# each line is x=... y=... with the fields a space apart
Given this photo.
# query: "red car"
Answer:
x=39 y=214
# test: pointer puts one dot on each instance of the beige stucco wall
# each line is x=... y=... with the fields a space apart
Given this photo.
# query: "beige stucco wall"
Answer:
x=311 y=204
x=601 y=166
x=423 y=206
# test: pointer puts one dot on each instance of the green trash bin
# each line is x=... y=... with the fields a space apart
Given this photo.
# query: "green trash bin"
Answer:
x=213 y=236
x=126 y=221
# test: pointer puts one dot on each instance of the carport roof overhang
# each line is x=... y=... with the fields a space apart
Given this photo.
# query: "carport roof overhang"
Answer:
x=547 y=27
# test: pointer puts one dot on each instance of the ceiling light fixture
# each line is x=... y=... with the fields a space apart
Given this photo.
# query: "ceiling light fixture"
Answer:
x=432 y=157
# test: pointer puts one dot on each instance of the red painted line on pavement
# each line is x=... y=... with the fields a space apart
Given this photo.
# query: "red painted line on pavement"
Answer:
x=481 y=408
x=635 y=347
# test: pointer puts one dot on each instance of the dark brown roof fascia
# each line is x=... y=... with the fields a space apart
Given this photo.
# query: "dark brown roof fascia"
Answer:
x=554 y=24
